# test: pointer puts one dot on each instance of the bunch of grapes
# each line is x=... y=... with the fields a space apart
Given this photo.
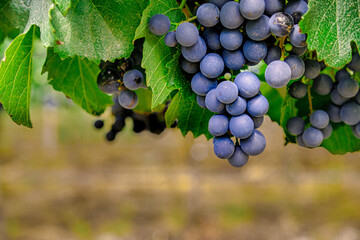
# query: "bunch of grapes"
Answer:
x=228 y=37
x=343 y=107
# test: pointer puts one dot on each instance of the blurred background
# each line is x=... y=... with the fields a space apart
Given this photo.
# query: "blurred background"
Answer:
x=62 y=180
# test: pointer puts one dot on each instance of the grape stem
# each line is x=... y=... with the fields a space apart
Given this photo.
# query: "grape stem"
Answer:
x=310 y=99
x=282 y=46
x=182 y=4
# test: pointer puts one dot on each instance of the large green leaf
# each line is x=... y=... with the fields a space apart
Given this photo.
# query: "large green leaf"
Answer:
x=156 y=53
x=97 y=29
x=63 y=5
x=14 y=15
x=331 y=25
x=76 y=78
x=16 y=78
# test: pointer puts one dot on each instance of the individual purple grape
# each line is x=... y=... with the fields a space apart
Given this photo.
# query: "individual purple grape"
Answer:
x=274 y=6
x=274 y=53
x=296 y=65
x=170 y=39
x=230 y=16
x=133 y=79
x=255 y=144
x=296 y=8
x=298 y=90
x=189 y=67
x=254 y=51
x=327 y=131
x=212 y=103
x=234 y=60
x=295 y=126
x=281 y=24
x=337 y=99
x=297 y=38
x=212 y=39
x=298 y=51
x=212 y=65
x=159 y=24
x=354 y=65
x=248 y=84
x=201 y=101
x=231 y=39
x=128 y=99
x=239 y=158
x=258 y=121
x=187 y=34
x=238 y=107
x=107 y=81
x=195 y=53
x=241 y=126
x=252 y=9
x=319 y=119
x=219 y=3
x=278 y=74
x=334 y=113
x=258 y=29
x=312 y=69
x=312 y=137
x=258 y=106
x=224 y=147
x=356 y=130
x=201 y=85
x=323 y=84
x=227 y=92
x=218 y=125
x=208 y=14
x=348 y=88
x=350 y=113
x=342 y=74
x=300 y=141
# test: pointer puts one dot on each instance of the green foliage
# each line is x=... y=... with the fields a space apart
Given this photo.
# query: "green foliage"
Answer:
x=16 y=77
x=76 y=78
x=331 y=25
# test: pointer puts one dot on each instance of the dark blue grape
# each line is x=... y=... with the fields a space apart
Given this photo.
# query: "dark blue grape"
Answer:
x=312 y=69
x=107 y=81
x=187 y=34
x=239 y=158
x=99 y=124
x=212 y=103
x=300 y=141
x=170 y=39
x=296 y=65
x=258 y=121
x=298 y=51
x=274 y=6
x=295 y=126
x=319 y=119
x=312 y=137
x=237 y=108
x=252 y=9
x=357 y=98
x=227 y=92
x=296 y=9
x=354 y=65
x=298 y=90
x=274 y=53
x=219 y=3
x=128 y=99
x=218 y=125
x=201 y=85
x=258 y=29
x=254 y=51
x=281 y=24
x=350 y=113
x=334 y=113
x=297 y=38
x=278 y=74
x=234 y=60
x=248 y=84
x=230 y=16
x=337 y=99
x=327 y=131
x=258 y=106
x=133 y=79
x=196 y=52
x=255 y=144
x=212 y=39
x=224 y=147
x=241 y=126
x=201 y=101
x=231 y=39
x=323 y=84
x=159 y=24
x=208 y=14
x=189 y=67
x=348 y=87
x=212 y=65
x=342 y=74
x=356 y=130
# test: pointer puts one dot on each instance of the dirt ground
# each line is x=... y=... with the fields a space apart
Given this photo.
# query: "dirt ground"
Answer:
x=61 y=180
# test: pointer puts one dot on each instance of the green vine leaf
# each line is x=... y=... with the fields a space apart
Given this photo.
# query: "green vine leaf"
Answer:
x=16 y=78
x=331 y=25
x=76 y=78
x=14 y=16
x=156 y=53
x=97 y=29
x=63 y=5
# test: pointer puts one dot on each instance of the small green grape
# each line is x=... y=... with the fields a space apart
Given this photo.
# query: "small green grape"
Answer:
x=288 y=47
x=227 y=76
